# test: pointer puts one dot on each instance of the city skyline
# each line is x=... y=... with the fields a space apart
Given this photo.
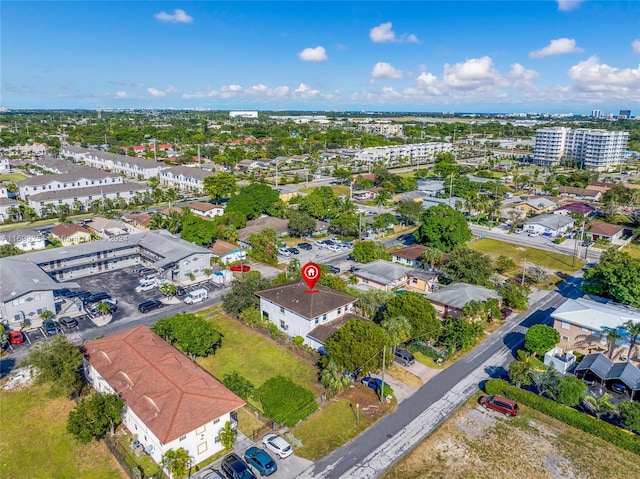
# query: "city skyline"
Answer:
x=381 y=56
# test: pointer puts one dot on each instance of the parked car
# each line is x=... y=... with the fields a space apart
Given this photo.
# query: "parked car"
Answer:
x=277 y=445
x=146 y=271
x=211 y=474
x=95 y=309
x=500 y=404
x=534 y=234
x=305 y=246
x=242 y=268
x=77 y=294
x=619 y=388
x=95 y=297
x=404 y=357
x=16 y=337
x=236 y=468
x=284 y=252
x=61 y=292
x=68 y=322
x=293 y=250
x=373 y=383
x=181 y=291
x=334 y=247
x=145 y=286
x=150 y=305
x=49 y=326
x=333 y=269
x=260 y=460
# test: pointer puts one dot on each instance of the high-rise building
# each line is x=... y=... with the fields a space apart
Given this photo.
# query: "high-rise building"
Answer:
x=596 y=114
x=624 y=115
x=593 y=149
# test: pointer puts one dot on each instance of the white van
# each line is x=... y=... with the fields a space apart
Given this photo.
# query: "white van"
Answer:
x=196 y=296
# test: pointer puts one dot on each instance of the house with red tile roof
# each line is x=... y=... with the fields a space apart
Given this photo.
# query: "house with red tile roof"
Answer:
x=170 y=401
x=69 y=233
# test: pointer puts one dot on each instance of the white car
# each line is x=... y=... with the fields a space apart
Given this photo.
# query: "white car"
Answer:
x=334 y=247
x=284 y=252
x=277 y=445
x=146 y=286
x=533 y=234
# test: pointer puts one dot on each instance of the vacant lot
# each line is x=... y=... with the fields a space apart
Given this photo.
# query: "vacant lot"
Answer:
x=34 y=443
x=337 y=189
x=633 y=249
x=518 y=253
x=255 y=357
x=479 y=443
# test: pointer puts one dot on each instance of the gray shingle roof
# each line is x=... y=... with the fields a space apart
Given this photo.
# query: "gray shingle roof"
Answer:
x=96 y=190
x=456 y=295
x=382 y=271
x=606 y=369
x=551 y=221
x=81 y=173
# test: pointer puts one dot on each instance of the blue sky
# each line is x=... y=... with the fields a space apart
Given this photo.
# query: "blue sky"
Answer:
x=483 y=56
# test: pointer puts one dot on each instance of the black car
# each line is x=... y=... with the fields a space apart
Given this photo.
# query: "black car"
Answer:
x=306 y=246
x=181 y=292
x=49 y=326
x=293 y=250
x=236 y=468
x=95 y=297
x=61 y=292
x=333 y=269
x=146 y=271
x=150 y=305
x=68 y=322
x=77 y=294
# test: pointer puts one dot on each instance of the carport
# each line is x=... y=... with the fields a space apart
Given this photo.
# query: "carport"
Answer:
x=599 y=368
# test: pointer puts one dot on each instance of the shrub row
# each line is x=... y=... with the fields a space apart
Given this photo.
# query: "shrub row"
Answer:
x=570 y=416
x=424 y=349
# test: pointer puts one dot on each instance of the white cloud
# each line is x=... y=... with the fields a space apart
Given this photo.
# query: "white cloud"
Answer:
x=154 y=92
x=472 y=74
x=383 y=33
x=636 y=46
x=317 y=54
x=264 y=90
x=305 y=91
x=521 y=77
x=593 y=76
x=178 y=16
x=122 y=94
x=428 y=83
x=385 y=70
x=559 y=46
x=567 y=5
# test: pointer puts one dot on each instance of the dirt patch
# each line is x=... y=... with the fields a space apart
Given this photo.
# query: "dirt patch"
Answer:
x=478 y=443
x=370 y=406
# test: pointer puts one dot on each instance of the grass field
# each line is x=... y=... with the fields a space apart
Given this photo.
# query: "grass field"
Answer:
x=34 y=443
x=477 y=443
x=633 y=249
x=518 y=253
x=12 y=177
x=337 y=189
x=255 y=357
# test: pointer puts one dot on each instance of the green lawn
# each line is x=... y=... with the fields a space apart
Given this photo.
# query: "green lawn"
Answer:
x=633 y=249
x=255 y=357
x=337 y=189
x=12 y=177
x=34 y=443
x=518 y=253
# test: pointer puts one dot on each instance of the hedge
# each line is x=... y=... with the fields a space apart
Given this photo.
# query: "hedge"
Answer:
x=604 y=430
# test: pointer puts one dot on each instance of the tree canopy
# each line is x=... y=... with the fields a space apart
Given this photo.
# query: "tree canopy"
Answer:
x=540 y=338
x=243 y=293
x=256 y=199
x=9 y=250
x=94 y=417
x=285 y=401
x=420 y=312
x=409 y=211
x=322 y=202
x=367 y=251
x=300 y=223
x=358 y=344
x=192 y=334
x=443 y=228
x=616 y=276
x=466 y=265
x=222 y=185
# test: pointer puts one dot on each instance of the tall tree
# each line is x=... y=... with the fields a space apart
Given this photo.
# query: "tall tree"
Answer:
x=540 y=338
x=616 y=276
x=367 y=251
x=177 y=462
x=358 y=344
x=222 y=185
x=466 y=265
x=443 y=228
x=409 y=210
x=570 y=390
x=243 y=293
x=398 y=329
x=420 y=312
x=96 y=416
x=191 y=333
x=599 y=406
x=256 y=199
x=432 y=256
x=612 y=335
x=334 y=377
x=633 y=329
x=227 y=436
x=520 y=373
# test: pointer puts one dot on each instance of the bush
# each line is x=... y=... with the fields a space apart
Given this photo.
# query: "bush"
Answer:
x=238 y=384
x=424 y=349
x=298 y=340
x=284 y=401
x=570 y=416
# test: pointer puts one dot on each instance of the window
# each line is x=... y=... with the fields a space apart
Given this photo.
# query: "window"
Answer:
x=324 y=317
x=339 y=311
x=183 y=438
x=317 y=320
x=564 y=338
x=565 y=325
x=281 y=309
x=217 y=439
x=202 y=448
x=215 y=421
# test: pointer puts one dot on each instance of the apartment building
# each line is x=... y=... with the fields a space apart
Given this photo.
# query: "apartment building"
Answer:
x=184 y=178
x=594 y=149
x=129 y=166
x=416 y=152
x=82 y=177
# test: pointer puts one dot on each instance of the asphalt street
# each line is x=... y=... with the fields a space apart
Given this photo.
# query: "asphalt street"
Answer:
x=388 y=440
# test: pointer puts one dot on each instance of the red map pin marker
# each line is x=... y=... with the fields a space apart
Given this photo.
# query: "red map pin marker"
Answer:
x=311 y=274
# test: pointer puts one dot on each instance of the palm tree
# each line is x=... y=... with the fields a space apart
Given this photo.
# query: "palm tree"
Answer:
x=599 y=406
x=333 y=377
x=176 y=462
x=633 y=329
x=398 y=329
x=432 y=256
x=546 y=381
x=612 y=335
x=171 y=195
x=103 y=308
x=381 y=199
x=227 y=435
x=157 y=222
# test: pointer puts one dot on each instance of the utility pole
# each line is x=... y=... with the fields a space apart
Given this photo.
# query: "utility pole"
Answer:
x=384 y=348
x=524 y=268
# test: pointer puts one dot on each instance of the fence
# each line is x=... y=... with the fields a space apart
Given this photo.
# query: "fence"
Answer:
x=128 y=461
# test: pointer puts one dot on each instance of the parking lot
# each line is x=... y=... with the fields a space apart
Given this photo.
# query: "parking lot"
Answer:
x=319 y=255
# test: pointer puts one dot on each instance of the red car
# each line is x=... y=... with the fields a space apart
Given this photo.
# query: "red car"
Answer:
x=16 y=337
x=240 y=268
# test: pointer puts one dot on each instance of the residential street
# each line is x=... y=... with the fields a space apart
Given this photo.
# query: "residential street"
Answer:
x=377 y=449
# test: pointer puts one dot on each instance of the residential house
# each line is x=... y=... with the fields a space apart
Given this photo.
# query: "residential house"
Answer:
x=7 y=206
x=297 y=312
x=582 y=193
x=184 y=178
x=536 y=206
x=84 y=198
x=140 y=221
x=170 y=401
x=4 y=192
x=227 y=253
x=422 y=280
x=382 y=274
x=409 y=256
x=70 y=234
x=561 y=361
x=5 y=165
x=600 y=369
x=24 y=239
x=599 y=230
x=417 y=196
x=454 y=202
x=207 y=210
x=583 y=322
x=549 y=225
x=449 y=300
x=431 y=188
x=108 y=228
x=321 y=228
x=260 y=224
x=582 y=209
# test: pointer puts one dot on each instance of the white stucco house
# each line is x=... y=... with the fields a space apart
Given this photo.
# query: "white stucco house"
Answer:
x=170 y=402
x=23 y=238
x=298 y=312
x=206 y=210
x=549 y=225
